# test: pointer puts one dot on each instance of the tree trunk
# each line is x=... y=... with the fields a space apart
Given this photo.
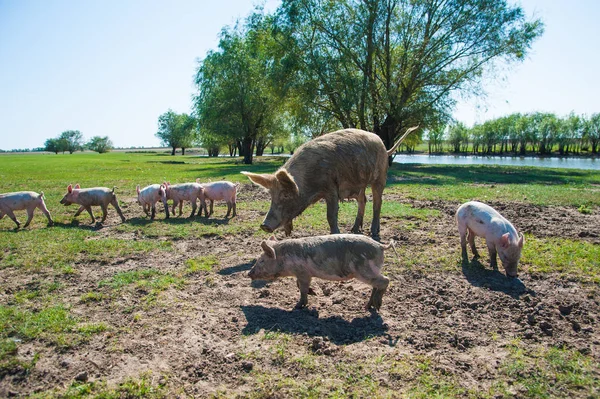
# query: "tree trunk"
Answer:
x=240 y=147
x=247 y=144
x=173 y=152
x=182 y=151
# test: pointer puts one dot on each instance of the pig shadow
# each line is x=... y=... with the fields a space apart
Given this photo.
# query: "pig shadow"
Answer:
x=243 y=267
x=76 y=224
x=480 y=276
x=337 y=329
x=183 y=219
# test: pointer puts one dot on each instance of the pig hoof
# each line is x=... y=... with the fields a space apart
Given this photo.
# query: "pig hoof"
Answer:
x=300 y=305
x=311 y=292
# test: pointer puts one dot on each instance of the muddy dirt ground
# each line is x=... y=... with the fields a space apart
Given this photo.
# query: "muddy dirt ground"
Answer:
x=209 y=335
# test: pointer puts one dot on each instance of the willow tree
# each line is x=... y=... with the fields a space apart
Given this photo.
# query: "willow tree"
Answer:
x=177 y=130
x=239 y=87
x=594 y=132
x=382 y=65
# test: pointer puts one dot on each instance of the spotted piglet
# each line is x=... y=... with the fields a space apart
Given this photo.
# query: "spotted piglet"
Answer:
x=336 y=257
x=481 y=220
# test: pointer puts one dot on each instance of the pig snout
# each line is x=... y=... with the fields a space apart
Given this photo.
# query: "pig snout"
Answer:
x=266 y=228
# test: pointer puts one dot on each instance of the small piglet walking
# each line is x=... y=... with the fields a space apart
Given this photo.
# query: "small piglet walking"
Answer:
x=21 y=200
x=220 y=190
x=337 y=257
x=150 y=195
x=501 y=237
x=88 y=197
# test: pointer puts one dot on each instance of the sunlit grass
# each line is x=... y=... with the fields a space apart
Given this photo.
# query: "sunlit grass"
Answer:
x=56 y=248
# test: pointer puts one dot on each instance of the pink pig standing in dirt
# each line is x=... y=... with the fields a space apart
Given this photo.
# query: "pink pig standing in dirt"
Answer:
x=334 y=166
x=501 y=237
x=21 y=200
x=150 y=195
x=88 y=197
x=185 y=192
x=220 y=190
x=338 y=257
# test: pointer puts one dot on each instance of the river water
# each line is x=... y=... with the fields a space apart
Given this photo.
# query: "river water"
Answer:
x=550 y=162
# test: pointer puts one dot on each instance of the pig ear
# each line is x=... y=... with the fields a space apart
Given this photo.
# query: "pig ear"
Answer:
x=69 y=188
x=77 y=186
x=137 y=188
x=268 y=249
x=504 y=240
x=272 y=238
x=264 y=180
x=286 y=181
x=521 y=240
x=198 y=180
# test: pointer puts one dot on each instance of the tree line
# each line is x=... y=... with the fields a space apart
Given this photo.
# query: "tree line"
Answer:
x=314 y=66
x=532 y=133
x=72 y=140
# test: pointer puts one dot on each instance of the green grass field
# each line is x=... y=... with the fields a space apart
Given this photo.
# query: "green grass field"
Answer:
x=47 y=261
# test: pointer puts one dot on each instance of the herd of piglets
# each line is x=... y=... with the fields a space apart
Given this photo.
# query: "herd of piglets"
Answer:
x=147 y=197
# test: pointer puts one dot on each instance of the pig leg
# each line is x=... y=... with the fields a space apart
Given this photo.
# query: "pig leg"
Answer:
x=288 y=227
x=166 y=207
x=332 y=213
x=380 y=285
x=115 y=204
x=104 y=212
x=211 y=207
x=153 y=211
x=492 y=249
x=377 y=190
x=194 y=207
x=472 y=243
x=11 y=215
x=310 y=290
x=180 y=207
x=228 y=209
x=304 y=285
x=87 y=208
x=42 y=207
x=462 y=230
x=234 y=205
x=203 y=206
x=358 y=223
x=29 y=216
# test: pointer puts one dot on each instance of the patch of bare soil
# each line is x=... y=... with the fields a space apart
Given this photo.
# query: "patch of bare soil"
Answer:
x=209 y=335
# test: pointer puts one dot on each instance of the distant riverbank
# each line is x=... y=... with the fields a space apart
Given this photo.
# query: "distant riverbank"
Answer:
x=567 y=162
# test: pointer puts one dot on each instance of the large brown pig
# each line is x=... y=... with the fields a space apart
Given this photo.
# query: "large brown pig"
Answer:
x=337 y=257
x=88 y=197
x=20 y=200
x=334 y=166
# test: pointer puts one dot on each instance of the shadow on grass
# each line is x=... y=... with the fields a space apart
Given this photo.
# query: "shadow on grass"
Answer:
x=337 y=329
x=480 y=276
x=243 y=267
x=178 y=220
x=76 y=224
x=493 y=174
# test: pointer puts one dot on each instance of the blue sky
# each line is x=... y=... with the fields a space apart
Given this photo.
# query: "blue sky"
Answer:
x=112 y=67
